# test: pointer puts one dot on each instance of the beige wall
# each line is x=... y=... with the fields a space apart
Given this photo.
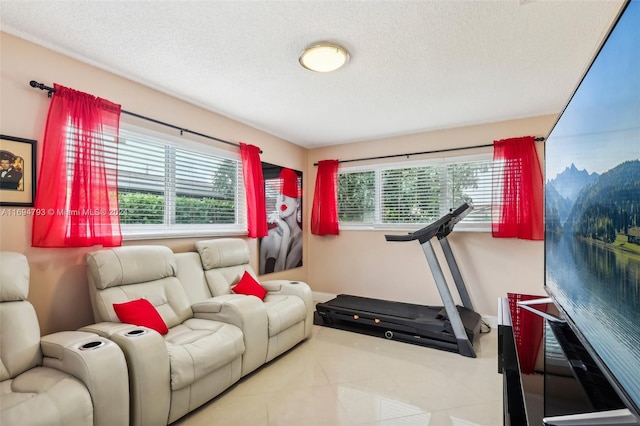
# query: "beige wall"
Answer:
x=58 y=284
x=356 y=262
x=363 y=263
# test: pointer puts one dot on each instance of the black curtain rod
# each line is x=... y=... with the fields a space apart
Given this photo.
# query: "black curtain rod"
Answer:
x=51 y=90
x=381 y=157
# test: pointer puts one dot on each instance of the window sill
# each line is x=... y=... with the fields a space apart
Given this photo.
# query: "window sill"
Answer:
x=161 y=233
x=461 y=227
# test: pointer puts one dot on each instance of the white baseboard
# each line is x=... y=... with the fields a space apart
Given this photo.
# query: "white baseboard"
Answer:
x=320 y=297
x=492 y=320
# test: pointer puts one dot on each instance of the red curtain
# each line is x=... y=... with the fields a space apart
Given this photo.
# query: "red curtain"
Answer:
x=254 y=187
x=324 y=213
x=77 y=190
x=517 y=191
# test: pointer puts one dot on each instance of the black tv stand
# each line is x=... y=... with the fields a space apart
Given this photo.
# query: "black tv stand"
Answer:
x=567 y=389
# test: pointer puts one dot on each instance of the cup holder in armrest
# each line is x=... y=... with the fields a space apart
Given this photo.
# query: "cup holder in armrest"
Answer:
x=136 y=332
x=92 y=345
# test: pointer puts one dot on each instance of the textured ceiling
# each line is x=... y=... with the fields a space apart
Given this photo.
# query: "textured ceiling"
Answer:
x=415 y=65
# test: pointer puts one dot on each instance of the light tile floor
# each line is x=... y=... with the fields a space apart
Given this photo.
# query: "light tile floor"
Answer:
x=340 y=378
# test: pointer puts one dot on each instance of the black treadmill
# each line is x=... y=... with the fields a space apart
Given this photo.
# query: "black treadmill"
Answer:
x=449 y=327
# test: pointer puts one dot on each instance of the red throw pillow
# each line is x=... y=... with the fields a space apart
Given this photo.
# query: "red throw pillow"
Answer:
x=141 y=312
x=249 y=286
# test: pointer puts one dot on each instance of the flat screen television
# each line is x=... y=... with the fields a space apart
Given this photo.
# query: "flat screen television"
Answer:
x=592 y=208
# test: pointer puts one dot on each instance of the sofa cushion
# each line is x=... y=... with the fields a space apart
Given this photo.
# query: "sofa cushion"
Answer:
x=141 y=312
x=191 y=276
x=130 y=265
x=45 y=396
x=223 y=252
x=220 y=280
x=283 y=312
x=250 y=287
x=19 y=339
x=14 y=276
x=166 y=295
x=198 y=347
x=123 y=274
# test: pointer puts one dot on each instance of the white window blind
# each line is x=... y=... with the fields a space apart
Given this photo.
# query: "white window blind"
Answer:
x=410 y=194
x=170 y=187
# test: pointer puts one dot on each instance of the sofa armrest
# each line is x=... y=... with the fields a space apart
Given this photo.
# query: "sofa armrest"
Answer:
x=294 y=288
x=108 y=329
x=297 y=288
x=100 y=364
x=246 y=312
x=149 y=370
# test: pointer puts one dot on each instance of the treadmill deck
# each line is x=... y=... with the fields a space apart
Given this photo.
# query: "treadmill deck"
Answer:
x=410 y=323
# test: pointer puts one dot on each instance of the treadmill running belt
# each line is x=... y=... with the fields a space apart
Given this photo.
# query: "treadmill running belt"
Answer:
x=382 y=307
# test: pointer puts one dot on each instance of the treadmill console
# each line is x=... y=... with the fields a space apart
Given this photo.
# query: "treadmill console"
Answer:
x=440 y=228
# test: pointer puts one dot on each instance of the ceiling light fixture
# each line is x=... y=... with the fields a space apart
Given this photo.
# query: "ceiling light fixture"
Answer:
x=324 y=57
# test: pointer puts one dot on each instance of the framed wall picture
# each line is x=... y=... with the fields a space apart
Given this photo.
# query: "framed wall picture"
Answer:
x=17 y=171
x=281 y=249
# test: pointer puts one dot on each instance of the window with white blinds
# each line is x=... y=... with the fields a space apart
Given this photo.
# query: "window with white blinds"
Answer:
x=410 y=194
x=172 y=187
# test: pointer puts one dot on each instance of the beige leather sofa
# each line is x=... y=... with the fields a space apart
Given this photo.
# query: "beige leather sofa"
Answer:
x=214 y=336
x=65 y=378
x=170 y=374
x=283 y=319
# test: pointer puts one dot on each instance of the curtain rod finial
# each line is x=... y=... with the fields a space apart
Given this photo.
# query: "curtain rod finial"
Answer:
x=41 y=86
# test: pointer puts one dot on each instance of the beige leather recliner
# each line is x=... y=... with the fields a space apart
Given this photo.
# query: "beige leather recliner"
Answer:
x=65 y=378
x=270 y=327
x=288 y=304
x=170 y=374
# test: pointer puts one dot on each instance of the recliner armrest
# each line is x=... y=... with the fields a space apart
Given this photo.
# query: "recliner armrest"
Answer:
x=149 y=369
x=294 y=288
x=247 y=313
x=297 y=288
x=100 y=364
x=108 y=329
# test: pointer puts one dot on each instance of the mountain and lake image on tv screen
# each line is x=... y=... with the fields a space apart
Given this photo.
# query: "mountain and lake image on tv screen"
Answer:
x=592 y=207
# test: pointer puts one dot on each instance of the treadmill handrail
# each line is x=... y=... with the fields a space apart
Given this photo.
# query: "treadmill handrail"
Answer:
x=440 y=228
